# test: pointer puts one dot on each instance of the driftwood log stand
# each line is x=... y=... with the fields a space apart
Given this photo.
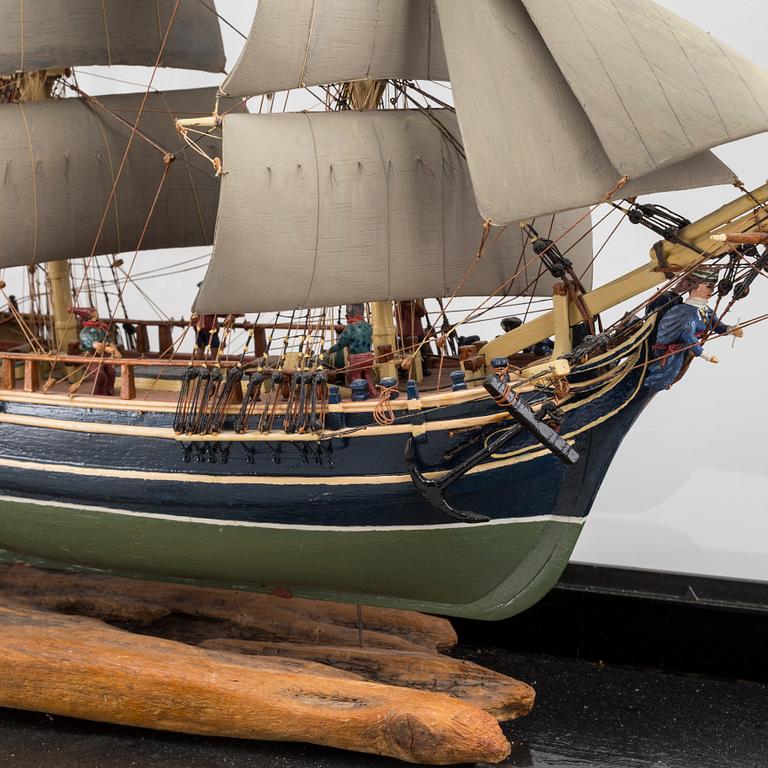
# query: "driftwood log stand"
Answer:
x=238 y=664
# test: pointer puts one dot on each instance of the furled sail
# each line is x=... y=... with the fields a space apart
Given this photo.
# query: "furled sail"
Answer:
x=297 y=43
x=530 y=145
x=43 y=34
x=58 y=162
x=320 y=209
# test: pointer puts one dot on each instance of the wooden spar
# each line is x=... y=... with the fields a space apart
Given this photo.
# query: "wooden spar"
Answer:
x=746 y=238
x=503 y=697
x=36 y=86
x=80 y=667
x=61 y=299
x=209 y=122
x=562 y=320
x=678 y=257
x=698 y=232
x=384 y=337
x=366 y=94
x=596 y=301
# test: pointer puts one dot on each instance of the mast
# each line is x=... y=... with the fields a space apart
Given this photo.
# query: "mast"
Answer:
x=60 y=297
x=59 y=281
x=384 y=335
x=398 y=204
x=361 y=95
x=43 y=41
x=30 y=87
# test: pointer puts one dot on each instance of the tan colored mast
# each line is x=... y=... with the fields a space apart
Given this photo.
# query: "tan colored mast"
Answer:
x=362 y=95
x=562 y=320
x=383 y=324
x=30 y=87
x=60 y=293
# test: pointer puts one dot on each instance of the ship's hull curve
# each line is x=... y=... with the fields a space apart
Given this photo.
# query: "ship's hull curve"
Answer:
x=314 y=523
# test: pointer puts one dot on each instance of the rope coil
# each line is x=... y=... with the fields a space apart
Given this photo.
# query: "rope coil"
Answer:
x=383 y=413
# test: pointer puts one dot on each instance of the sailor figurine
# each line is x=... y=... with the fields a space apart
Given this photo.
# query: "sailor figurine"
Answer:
x=94 y=333
x=206 y=332
x=357 y=338
x=410 y=328
x=94 y=340
x=681 y=330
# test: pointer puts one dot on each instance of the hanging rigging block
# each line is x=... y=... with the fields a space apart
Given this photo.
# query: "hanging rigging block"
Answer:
x=526 y=418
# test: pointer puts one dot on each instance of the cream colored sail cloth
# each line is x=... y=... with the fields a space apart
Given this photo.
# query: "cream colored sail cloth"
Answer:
x=530 y=146
x=297 y=43
x=321 y=209
x=656 y=88
x=42 y=34
x=58 y=161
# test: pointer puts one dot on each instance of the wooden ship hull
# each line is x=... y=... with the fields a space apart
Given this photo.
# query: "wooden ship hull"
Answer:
x=463 y=502
x=103 y=484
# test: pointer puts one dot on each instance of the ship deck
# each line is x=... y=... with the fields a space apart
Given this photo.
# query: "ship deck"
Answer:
x=157 y=382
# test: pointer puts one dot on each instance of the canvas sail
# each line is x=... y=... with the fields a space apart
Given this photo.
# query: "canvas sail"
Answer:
x=43 y=34
x=663 y=90
x=321 y=209
x=297 y=43
x=530 y=145
x=58 y=162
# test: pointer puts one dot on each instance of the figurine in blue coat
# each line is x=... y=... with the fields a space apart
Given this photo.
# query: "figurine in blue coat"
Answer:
x=681 y=330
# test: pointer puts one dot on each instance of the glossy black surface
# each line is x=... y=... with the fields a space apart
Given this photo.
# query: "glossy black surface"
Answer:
x=642 y=619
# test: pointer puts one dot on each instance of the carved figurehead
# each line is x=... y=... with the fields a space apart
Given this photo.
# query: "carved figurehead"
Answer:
x=682 y=330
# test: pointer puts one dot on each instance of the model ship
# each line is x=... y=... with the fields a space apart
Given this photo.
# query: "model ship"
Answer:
x=287 y=452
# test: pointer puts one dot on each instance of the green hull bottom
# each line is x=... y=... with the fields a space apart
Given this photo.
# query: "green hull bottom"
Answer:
x=487 y=571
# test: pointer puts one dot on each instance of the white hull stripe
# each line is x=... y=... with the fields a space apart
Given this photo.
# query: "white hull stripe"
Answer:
x=287 y=526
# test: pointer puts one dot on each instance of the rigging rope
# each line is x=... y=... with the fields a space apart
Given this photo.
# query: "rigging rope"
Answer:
x=123 y=161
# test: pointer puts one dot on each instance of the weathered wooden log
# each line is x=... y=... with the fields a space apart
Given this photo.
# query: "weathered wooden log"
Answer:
x=503 y=697
x=101 y=607
x=257 y=616
x=275 y=664
x=80 y=667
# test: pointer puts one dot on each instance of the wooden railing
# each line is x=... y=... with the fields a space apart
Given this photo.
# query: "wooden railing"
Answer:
x=164 y=333
x=34 y=363
x=165 y=328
